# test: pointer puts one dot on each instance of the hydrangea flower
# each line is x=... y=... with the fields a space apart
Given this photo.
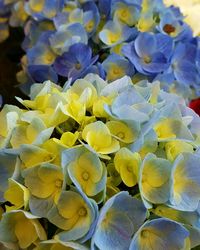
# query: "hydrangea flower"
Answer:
x=172 y=25
x=117 y=66
x=190 y=10
x=99 y=165
x=75 y=62
x=151 y=234
x=43 y=9
x=119 y=219
x=20 y=229
x=4 y=17
x=149 y=53
x=85 y=170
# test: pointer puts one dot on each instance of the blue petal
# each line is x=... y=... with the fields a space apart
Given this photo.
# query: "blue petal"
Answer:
x=120 y=217
x=145 y=44
x=40 y=73
x=158 y=63
x=160 y=234
x=186 y=73
x=7 y=168
x=185 y=190
x=165 y=44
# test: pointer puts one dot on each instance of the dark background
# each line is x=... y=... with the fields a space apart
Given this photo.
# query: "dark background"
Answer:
x=10 y=54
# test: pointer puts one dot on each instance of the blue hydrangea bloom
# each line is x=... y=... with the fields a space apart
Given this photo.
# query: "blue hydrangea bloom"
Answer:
x=127 y=12
x=160 y=234
x=154 y=39
x=183 y=64
x=41 y=53
x=117 y=66
x=4 y=15
x=149 y=53
x=91 y=17
x=38 y=72
x=67 y=35
x=75 y=62
x=185 y=177
x=119 y=218
x=114 y=33
x=105 y=8
x=172 y=24
x=46 y=9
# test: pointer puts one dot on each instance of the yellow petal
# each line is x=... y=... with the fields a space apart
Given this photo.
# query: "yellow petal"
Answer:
x=36 y=5
x=19 y=136
x=127 y=164
x=25 y=232
x=85 y=91
x=97 y=135
x=164 y=129
x=121 y=130
x=76 y=110
x=69 y=139
x=16 y=194
x=115 y=72
x=34 y=155
x=174 y=148
x=98 y=106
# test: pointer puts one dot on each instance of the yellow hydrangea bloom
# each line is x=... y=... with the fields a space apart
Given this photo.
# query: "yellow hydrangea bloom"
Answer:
x=89 y=172
x=127 y=164
x=44 y=181
x=121 y=131
x=17 y=194
x=164 y=129
x=174 y=148
x=99 y=137
x=19 y=230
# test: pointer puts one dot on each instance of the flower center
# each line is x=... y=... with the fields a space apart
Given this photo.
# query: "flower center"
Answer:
x=145 y=233
x=168 y=28
x=174 y=65
x=78 y=66
x=121 y=135
x=114 y=37
x=124 y=13
x=85 y=176
x=58 y=183
x=103 y=17
x=89 y=26
x=82 y=211
x=129 y=168
x=47 y=158
x=147 y=59
x=116 y=71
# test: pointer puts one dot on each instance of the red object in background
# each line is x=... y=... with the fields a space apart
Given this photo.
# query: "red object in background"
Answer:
x=195 y=105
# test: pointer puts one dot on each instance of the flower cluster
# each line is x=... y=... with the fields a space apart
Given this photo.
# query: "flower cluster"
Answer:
x=112 y=38
x=4 y=14
x=99 y=165
x=12 y=13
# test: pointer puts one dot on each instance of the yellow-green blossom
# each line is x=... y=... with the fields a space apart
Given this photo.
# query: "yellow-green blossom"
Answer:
x=127 y=164
x=17 y=195
x=99 y=137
